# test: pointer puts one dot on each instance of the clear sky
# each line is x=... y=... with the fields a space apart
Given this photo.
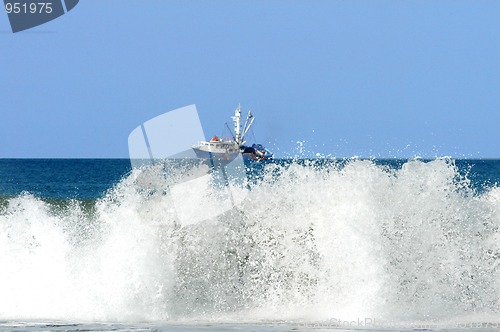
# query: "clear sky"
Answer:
x=348 y=78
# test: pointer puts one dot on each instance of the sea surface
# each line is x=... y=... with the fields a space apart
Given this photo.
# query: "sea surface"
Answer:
x=295 y=244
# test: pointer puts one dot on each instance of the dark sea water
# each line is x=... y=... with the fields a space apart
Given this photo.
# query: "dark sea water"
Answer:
x=61 y=178
x=91 y=244
x=91 y=178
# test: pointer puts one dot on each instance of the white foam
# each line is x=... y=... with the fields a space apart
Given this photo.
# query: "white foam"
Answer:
x=316 y=243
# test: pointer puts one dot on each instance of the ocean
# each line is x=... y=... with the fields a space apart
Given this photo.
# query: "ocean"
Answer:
x=298 y=244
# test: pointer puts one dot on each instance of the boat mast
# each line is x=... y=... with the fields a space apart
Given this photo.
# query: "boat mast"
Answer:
x=237 y=125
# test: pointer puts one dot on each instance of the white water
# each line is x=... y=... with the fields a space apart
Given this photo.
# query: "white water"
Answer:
x=359 y=241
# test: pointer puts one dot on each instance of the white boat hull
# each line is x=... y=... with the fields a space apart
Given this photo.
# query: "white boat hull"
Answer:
x=221 y=155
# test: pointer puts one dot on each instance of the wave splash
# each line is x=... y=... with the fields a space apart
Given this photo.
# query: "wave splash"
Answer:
x=308 y=242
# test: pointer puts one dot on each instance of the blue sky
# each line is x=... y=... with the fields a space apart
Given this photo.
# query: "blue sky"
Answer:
x=347 y=78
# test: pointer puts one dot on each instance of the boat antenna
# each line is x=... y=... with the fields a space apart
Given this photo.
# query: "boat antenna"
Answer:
x=248 y=124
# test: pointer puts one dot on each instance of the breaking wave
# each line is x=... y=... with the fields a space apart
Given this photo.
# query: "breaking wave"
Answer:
x=309 y=242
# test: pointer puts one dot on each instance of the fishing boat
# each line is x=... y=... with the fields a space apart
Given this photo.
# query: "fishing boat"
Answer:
x=229 y=148
x=218 y=148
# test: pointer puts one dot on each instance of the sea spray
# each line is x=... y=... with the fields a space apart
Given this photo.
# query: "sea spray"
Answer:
x=309 y=241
